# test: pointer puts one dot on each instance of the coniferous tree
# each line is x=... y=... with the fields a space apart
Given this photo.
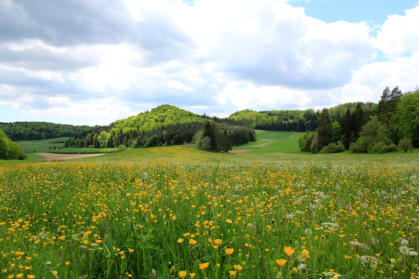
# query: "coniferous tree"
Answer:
x=347 y=129
x=324 y=131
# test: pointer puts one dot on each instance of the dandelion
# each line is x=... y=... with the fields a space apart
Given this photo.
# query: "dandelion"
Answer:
x=30 y=276
x=281 y=262
x=192 y=275
x=192 y=242
x=182 y=274
x=203 y=266
x=180 y=240
x=237 y=267
x=289 y=251
x=404 y=250
x=413 y=253
x=305 y=253
x=218 y=241
x=229 y=251
x=232 y=272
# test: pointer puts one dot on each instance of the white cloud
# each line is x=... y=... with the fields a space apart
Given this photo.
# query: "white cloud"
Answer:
x=400 y=33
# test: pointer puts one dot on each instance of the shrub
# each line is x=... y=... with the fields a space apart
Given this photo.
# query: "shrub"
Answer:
x=204 y=143
x=381 y=147
x=361 y=145
x=405 y=145
x=305 y=141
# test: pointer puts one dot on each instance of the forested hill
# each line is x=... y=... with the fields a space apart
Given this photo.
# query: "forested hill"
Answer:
x=164 y=125
x=40 y=130
x=293 y=120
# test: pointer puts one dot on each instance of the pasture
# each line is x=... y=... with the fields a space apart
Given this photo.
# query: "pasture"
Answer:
x=177 y=212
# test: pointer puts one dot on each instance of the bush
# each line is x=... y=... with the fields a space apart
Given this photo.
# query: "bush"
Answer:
x=204 y=143
x=405 y=145
x=305 y=141
x=333 y=148
x=361 y=145
x=340 y=147
x=314 y=146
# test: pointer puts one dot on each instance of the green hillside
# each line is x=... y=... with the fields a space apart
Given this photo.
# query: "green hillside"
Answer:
x=158 y=117
x=164 y=125
x=10 y=150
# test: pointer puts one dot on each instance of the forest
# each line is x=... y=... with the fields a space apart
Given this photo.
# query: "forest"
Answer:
x=166 y=125
x=293 y=120
x=393 y=125
x=40 y=130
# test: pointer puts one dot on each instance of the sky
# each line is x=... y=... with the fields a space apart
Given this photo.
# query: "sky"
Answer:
x=94 y=62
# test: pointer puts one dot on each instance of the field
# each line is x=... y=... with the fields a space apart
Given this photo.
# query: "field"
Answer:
x=177 y=212
x=46 y=145
x=268 y=142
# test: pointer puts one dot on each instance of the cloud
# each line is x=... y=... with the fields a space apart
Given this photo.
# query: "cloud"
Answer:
x=78 y=57
x=399 y=34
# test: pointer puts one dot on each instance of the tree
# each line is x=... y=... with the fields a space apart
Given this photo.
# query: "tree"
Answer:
x=324 y=131
x=336 y=131
x=387 y=106
x=358 y=120
x=347 y=129
x=406 y=118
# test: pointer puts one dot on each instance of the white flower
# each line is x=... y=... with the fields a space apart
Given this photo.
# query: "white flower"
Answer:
x=404 y=242
x=413 y=253
x=302 y=267
x=404 y=250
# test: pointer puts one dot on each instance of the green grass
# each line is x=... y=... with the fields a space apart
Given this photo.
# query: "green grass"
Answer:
x=166 y=210
x=47 y=145
x=268 y=142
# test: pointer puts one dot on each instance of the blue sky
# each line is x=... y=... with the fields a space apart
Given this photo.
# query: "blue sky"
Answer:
x=93 y=62
x=371 y=11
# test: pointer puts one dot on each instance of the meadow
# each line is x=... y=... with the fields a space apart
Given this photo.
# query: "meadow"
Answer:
x=177 y=212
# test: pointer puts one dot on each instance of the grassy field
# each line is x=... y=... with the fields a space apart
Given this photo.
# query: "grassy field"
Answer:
x=268 y=142
x=47 y=145
x=177 y=212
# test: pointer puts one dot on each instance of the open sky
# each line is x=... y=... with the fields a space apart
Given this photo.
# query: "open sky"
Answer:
x=94 y=61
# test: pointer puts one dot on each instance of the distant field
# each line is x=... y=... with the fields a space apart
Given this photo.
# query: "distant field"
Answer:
x=273 y=142
x=47 y=145
x=85 y=150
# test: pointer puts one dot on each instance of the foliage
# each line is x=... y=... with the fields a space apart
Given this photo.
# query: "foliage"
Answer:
x=305 y=141
x=405 y=145
x=324 y=131
x=406 y=118
x=10 y=150
x=373 y=138
x=213 y=138
x=18 y=131
x=164 y=125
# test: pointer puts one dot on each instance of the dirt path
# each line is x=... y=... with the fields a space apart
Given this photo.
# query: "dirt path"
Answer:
x=63 y=157
x=238 y=151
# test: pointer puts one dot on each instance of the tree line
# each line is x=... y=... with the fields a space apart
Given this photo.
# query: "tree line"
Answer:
x=293 y=120
x=10 y=150
x=40 y=130
x=395 y=121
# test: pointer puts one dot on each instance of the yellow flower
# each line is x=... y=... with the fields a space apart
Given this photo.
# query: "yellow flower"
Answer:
x=281 y=262
x=20 y=275
x=335 y=276
x=130 y=250
x=180 y=240
x=192 y=275
x=203 y=266
x=238 y=267
x=229 y=251
x=232 y=272
x=218 y=241
x=67 y=263
x=192 y=242
x=289 y=251
x=30 y=276
x=305 y=253
x=182 y=274
x=229 y=221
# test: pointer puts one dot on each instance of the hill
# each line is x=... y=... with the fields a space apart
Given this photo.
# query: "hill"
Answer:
x=40 y=130
x=10 y=150
x=292 y=120
x=164 y=125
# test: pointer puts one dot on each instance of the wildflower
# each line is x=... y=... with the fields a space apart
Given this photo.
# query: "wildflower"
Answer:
x=404 y=250
x=182 y=274
x=289 y=251
x=404 y=242
x=218 y=241
x=130 y=250
x=232 y=272
x=180 y=240
x=305 y=253
x=229 y=251
x=203 y=266
x=192 y=242
x=20 y=275
x=281 y=262
x=413 y=253
x=302 y=267
x=237 y=267
x=30 y=276
x=229 y=221
x=192 y=275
